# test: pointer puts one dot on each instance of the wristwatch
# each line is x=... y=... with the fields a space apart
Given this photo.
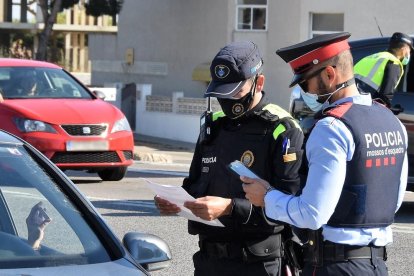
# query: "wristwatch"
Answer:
x=268 y=189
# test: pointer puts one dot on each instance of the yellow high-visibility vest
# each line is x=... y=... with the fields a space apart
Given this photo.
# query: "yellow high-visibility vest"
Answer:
x=370 y=69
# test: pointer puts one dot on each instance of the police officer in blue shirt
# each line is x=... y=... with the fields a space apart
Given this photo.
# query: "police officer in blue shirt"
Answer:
x=357 y=166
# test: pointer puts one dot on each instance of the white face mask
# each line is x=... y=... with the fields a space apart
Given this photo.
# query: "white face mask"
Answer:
x=312 y=100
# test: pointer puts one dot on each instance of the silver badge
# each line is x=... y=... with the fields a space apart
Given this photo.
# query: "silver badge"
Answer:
x=221 y=71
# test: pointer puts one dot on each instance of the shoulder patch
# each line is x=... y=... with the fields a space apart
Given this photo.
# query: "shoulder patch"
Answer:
x=283 y=125
x=286 y=121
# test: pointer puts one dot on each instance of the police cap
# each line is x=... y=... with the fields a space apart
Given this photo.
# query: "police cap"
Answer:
x=231 y=67
x=401 y=37
x=303 y=56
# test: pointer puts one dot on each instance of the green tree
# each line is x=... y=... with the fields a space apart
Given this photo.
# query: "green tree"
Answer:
x=101 y=7
x=50 y=9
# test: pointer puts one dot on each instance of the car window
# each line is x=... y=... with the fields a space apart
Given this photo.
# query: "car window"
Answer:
x=362 y=51
x=33 y=207
x=39 y=82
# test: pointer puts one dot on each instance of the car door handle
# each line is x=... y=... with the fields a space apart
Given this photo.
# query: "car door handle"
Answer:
x=397 y=109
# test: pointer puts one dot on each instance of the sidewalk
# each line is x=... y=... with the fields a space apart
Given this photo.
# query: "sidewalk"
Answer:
x=161 y=150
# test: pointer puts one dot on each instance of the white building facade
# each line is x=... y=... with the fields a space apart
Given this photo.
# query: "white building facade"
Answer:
x=169 y=44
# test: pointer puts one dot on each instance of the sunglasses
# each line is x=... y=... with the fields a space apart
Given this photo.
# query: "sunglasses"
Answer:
x=304 y=83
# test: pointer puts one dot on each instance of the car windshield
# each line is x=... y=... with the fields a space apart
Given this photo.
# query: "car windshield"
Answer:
x=39 y=82
x=39 y=224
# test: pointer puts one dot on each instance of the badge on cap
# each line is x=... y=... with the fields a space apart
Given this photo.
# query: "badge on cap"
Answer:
x=247 y=158
x=221 y=71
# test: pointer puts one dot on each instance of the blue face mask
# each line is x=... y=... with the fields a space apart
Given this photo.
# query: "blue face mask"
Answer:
x=406 y=60
x=311 y=100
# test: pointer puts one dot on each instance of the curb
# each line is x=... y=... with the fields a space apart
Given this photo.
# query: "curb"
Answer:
x=150 y=149
x=152 y=157
x=162 y=143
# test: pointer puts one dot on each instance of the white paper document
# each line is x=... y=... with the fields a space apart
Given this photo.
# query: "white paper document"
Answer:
x=178 y=196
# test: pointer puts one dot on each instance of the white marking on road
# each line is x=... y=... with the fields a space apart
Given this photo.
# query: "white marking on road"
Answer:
x=185 y=165
x=402 y=229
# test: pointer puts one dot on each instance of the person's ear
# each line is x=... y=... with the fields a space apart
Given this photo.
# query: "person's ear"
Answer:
x=330 y=74
x=260 y=83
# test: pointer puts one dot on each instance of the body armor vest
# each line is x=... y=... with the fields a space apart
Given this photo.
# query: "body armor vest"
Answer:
x=250 y=140
x=370 y=193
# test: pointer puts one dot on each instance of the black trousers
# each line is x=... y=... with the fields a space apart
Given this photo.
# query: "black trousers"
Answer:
x=353 y=267
x=205 y=265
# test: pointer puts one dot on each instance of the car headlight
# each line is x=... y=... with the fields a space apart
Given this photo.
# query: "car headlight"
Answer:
x=26 y=125
x=121 y=125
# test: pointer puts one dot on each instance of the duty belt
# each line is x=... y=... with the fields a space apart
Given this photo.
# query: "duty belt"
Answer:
x=265 y=248
x=335 y=252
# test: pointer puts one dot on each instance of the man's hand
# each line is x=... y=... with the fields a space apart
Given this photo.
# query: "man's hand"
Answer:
x=36 y=223
x=255 y=189
x=165 y=207
x=210 y=207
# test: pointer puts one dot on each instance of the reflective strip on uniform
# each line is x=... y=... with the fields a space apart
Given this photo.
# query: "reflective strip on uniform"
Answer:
x=280 y=128
x=217 y=115
x=367 y=81
x=281 y=113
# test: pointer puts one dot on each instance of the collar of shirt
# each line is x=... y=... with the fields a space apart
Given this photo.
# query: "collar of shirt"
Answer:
x=362 y=99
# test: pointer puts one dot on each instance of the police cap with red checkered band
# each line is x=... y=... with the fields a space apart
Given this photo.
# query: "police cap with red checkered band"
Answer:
x=303 y=56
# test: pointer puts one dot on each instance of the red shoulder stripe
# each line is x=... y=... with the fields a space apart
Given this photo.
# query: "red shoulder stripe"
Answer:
x=339 y=110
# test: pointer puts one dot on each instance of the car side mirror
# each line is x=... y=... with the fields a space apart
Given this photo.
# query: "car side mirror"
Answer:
x=99 y=94
x=148 y=250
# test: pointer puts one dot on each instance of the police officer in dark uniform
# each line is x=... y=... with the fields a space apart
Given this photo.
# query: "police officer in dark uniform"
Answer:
x=357 y=166
x=267 y=140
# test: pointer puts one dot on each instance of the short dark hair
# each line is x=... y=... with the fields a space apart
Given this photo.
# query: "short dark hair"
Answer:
x=396 y=45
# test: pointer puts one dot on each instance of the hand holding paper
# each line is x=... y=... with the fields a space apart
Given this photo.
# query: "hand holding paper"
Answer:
x=165 y=207
x=177 y=196
x=210 y=207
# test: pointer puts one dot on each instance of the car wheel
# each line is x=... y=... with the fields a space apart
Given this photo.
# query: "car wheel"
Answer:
x=112 y=174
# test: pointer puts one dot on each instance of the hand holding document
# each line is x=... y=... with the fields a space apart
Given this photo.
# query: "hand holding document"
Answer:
x=178 y=196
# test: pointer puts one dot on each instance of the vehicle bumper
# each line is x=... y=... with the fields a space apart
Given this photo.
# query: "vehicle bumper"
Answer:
x=118 y=150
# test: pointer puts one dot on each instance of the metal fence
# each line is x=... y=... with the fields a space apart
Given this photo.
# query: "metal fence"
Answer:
x=183 y=105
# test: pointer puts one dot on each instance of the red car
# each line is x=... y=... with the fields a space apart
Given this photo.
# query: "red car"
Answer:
x=75 y=128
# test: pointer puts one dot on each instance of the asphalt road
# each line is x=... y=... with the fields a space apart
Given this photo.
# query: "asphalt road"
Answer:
x=128 y=206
